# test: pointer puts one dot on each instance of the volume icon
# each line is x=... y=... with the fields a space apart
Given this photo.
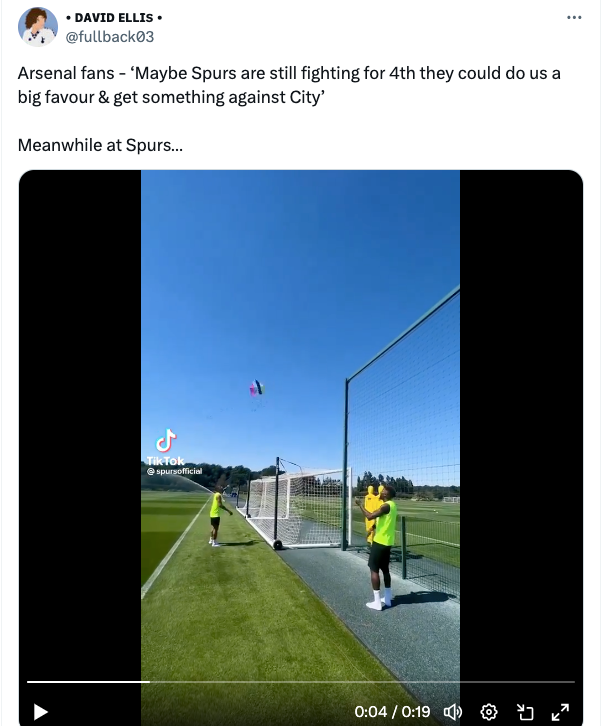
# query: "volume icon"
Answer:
x=453 y=712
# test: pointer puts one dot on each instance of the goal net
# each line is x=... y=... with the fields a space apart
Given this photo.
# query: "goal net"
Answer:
x=451 y=500
x=301 y=509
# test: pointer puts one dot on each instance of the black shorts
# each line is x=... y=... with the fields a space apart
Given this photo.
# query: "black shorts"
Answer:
x=214 y=521
x=379 y=557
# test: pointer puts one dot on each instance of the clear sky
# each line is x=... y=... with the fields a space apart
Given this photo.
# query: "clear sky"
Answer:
x=294 y=278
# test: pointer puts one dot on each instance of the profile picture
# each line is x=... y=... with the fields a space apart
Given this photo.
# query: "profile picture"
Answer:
x=38 y=27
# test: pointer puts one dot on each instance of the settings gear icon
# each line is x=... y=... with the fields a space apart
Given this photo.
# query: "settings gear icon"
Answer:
x=488 y=712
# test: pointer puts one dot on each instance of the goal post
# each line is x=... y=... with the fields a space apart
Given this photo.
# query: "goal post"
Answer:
x=298 y=509
x=451 y=500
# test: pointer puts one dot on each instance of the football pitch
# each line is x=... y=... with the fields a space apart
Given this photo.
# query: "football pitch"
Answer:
x=433 y=528
x=233 y=632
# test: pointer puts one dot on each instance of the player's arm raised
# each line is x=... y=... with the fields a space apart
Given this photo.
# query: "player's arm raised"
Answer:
x=384 y=509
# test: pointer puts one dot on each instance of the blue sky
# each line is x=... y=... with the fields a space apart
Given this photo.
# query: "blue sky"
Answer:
x=294 y=278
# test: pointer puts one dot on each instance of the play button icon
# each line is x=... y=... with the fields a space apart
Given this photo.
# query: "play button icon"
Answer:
x=38 y=712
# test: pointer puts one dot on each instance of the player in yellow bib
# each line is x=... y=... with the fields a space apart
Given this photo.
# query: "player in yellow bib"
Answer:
x=217 y=505
x=383 y=541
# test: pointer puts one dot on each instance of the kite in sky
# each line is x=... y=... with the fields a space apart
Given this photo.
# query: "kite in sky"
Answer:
x=257 y=395
x=256 y=389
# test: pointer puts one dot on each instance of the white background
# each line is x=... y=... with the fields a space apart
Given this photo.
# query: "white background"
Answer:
x=389 y=124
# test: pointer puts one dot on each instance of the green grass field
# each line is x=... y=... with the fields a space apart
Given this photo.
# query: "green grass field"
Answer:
x=432 y=527
x=239 y=613
x=164 y=517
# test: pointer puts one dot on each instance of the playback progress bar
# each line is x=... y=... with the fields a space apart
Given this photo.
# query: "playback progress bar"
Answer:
x=307 y=682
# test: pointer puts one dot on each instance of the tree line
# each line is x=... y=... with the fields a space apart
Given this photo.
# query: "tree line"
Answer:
x=237 y=478
x=405 y=488
x=234 y=477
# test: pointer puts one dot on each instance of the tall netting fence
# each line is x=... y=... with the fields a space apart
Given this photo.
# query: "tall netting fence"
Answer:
x=402 y=428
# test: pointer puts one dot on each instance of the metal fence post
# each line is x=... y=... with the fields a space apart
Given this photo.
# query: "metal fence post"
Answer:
x=404 y=547
x=345 y=470
x=276 y=498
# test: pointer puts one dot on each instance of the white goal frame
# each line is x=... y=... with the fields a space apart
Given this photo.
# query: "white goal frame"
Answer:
x=294 y=529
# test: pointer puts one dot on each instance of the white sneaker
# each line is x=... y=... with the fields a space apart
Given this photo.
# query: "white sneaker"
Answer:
x=374 y=605
x=215 y=544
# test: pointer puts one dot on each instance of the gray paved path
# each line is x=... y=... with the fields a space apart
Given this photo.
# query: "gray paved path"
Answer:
x=417 y=639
